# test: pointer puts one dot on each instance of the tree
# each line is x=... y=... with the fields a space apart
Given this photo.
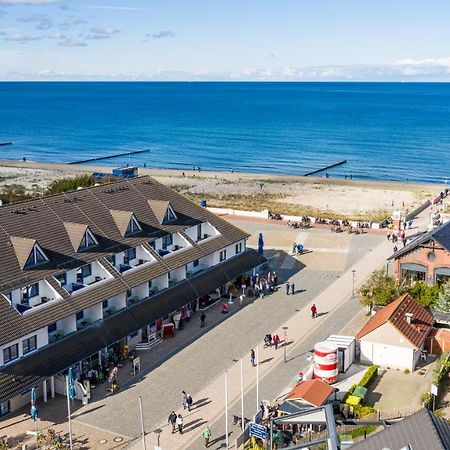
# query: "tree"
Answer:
x=70 y=184
x=379 y=290
x=426 y=294
x=443 y=302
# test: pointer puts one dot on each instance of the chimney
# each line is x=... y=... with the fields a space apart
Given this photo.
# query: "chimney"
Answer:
x=409 y=317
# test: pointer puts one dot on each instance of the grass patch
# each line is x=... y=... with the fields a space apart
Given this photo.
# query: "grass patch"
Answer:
x=358 y=432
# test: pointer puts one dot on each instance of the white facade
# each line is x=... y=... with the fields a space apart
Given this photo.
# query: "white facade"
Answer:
x=387 y=347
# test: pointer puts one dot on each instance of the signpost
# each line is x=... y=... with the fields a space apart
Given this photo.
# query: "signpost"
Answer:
x=258 y=431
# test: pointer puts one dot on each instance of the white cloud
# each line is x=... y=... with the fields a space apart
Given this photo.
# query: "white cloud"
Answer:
x=162 y=34
x=72 y=42
x=102 y=33
x=42 y=21
x=20 y=37
x=118 y=8
x=26 y=2
x=71 y=22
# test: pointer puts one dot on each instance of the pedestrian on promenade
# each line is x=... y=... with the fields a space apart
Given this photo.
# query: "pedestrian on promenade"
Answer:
x=252 y=357
x=294 y=248
x=172 y=420
x=189 y=402
x=207 y=435
x=292 y=288
x=288 y=286
x=179 y=422
x=241 y=299
x=275 y=279
x=184 y=399
x=276 y=341
x=313 y=311
x=202 y=320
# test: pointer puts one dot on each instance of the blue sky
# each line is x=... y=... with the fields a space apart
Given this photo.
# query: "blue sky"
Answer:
x=225 y=40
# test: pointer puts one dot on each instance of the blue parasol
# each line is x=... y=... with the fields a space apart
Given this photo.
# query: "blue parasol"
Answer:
x=34 y=411
x=260 y=244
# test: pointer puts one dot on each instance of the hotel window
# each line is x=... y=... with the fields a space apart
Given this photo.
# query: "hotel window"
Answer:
x=223 y=255
x=62 y=278
x=133 y=226
x=28 y=345
x=80 y=315
x=88 y=241
x=111 y=259
x=150 y=285
x=30 y=291
x=166 y=241
x=10 y=353
x=36 y=257
x=170 y=215
x=105 y=304
x=129 y=255
x=4 y=408
x=85 y=271
x=52 y=327
x=238 y=248
x=8 y=295
x=195 y=263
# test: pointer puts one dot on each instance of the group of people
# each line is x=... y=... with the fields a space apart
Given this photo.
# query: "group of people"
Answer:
x=297 y=249
x=270 y=340
x=261 y=285
x=290 y=288
x=177 y=421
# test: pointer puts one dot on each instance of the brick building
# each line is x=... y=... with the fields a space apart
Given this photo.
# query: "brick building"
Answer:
x=426 y=258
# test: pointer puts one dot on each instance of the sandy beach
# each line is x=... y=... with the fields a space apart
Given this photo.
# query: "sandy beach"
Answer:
x=295 y=195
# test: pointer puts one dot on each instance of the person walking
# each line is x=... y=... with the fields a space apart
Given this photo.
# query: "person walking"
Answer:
x=179 y=422
x=252 y=357
x=276 y=341
x=189 y=402
x=184 y=399
x=288 y=287
x=202 y=320
x=172 y=420
x=207 y=435
x=292 y=288
x=313 y=311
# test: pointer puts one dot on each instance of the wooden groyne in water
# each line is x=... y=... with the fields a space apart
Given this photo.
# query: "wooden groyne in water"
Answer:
x=5 y=143
x=102 y=158
x=325 y=168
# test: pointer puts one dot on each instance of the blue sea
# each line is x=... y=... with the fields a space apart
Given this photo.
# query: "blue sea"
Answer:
x=390 y=131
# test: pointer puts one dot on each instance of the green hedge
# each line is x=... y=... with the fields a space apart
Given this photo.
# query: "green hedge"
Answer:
x=368 y=377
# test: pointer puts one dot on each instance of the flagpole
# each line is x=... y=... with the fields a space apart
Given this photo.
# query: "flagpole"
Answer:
x=141 y=411
x=242 y=395
x=69 y=414
x=227 y=443
x=257 y=379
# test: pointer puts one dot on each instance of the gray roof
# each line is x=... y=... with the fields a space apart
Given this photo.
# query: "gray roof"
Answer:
x=421 y=431
x=45 y=220
x=440 y=234
x=23 y=374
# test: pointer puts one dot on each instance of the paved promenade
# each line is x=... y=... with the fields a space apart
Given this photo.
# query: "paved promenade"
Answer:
x=300 y=326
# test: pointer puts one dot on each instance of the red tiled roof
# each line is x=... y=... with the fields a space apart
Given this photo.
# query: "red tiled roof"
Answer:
x=394 y=313
x=315 y=392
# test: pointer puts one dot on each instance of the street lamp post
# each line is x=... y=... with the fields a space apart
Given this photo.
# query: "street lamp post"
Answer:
x=284 y=343
x=353 y=282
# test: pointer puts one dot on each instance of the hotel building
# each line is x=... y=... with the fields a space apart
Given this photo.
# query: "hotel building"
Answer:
x=86 y=270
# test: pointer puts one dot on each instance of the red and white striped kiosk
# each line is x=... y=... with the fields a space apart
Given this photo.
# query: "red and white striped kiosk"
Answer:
x=326 y=361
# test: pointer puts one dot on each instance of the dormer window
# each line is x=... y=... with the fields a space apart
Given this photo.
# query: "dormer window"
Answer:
x=133 y=226
x=81 y=236
x=170 y=215
x=28 y=252
x=37 y=257
x=88 y=240
x=126 y=222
